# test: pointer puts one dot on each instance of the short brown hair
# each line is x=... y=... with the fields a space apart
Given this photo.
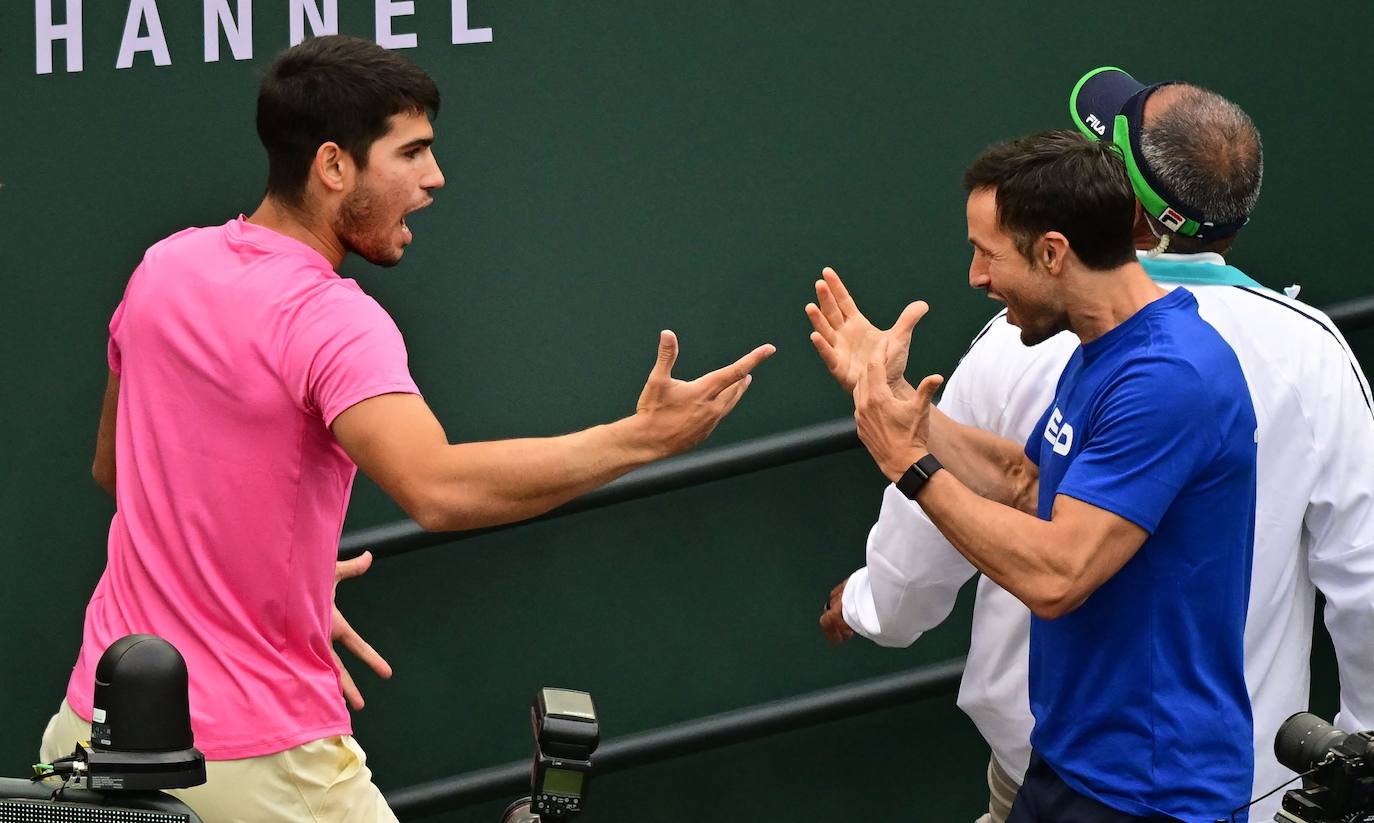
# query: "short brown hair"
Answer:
x=333 y=88
x=1061 y=181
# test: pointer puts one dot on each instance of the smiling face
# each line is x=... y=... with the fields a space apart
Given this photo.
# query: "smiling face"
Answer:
x=999 y=268
x=400 y=175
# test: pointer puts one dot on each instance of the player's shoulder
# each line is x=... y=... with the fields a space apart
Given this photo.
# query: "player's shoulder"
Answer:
x=338 y=299
x=185 y=240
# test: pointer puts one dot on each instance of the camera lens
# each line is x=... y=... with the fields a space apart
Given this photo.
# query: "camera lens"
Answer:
x=519 y=812
x=1304 y=739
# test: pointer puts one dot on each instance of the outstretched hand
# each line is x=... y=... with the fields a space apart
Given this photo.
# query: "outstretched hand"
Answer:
x=893 y=423
x=680 y=414
x=846 y=340
x=342 y=632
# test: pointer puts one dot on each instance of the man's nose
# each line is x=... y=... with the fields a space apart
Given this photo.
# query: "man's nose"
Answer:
x=434 y=179
x=978 y=276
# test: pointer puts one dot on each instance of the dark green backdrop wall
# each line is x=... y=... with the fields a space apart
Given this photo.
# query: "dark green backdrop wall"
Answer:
x=615 y=168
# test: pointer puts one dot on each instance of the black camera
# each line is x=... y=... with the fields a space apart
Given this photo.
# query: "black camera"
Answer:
x=141 y=742
x=1338 y=769
x=566 y=733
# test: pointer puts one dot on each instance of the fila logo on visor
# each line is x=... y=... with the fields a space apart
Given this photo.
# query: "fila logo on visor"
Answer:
x=1059 y=433
x=1172 y=219
x=1097 y=125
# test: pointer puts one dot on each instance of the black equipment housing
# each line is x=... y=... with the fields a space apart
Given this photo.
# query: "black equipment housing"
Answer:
x=1342 y=789
x=141 y=730
x=566 y=733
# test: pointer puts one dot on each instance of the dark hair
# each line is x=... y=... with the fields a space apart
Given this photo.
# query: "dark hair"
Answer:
x=1061 y=181
x=1206 y=151
x=334 y=88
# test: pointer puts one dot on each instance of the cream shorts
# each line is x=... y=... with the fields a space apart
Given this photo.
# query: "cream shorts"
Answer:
x=324 y=780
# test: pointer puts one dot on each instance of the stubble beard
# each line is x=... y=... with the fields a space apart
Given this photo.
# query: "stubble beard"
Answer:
x=356 y=226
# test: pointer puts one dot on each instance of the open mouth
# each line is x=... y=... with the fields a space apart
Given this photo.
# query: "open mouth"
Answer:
x=405 y=227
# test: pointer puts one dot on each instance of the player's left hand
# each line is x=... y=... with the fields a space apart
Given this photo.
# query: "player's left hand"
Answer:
x=342 y=632
x=893 y=421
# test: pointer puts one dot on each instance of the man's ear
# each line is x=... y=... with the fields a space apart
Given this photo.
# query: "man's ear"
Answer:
x=1053 y=252
x=333 y=167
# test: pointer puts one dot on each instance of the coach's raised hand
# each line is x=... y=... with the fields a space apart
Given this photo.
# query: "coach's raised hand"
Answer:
x=846 y=340
x=893 y=421
x=679 y=414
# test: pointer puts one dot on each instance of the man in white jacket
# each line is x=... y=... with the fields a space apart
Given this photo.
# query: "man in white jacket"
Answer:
x=1195 y=164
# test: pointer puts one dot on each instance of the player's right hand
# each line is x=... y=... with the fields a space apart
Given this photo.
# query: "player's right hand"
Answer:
x=679 y=414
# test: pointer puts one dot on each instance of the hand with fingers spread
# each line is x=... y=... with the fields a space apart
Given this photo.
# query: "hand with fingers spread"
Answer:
x=342 y=632
x=894 y=424
x=680 y=414
x=846 y=340
x=833 y=626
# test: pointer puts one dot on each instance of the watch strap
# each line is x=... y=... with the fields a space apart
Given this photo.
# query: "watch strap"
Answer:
x=914 y=478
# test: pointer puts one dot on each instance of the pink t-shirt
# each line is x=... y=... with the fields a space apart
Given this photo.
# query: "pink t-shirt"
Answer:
x=236 y=349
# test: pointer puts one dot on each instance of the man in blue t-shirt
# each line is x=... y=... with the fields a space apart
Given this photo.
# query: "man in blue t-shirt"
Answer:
x=1125 y=524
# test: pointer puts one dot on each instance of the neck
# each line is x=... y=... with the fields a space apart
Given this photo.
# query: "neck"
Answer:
x=1102 y=300
x=1146 y=239
x=299 y=225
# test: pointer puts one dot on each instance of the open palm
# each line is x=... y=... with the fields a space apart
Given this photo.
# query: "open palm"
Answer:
x=846 y=340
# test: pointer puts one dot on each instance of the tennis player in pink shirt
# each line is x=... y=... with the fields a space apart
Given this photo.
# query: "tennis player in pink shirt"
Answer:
x=248 y=383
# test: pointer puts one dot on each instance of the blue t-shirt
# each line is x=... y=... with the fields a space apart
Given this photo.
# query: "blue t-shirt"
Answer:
x=1139 y=694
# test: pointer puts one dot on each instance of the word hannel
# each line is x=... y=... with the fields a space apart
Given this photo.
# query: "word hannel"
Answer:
x=143 y=29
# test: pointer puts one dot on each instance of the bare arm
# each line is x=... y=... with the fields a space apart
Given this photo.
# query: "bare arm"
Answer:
x=397 y=441
x=992 y=466
x=1051 y=566
x=103 y=466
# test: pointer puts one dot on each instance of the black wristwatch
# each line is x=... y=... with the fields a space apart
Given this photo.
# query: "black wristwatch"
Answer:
x=915 y=477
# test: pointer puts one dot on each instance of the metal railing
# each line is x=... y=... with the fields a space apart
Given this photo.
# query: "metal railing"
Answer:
x=667 y=475
x=704 y=466
x=1352 y=315
x=718 y=730
x=701 y=734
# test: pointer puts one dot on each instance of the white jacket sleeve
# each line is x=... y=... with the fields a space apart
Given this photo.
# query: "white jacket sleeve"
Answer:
x=1340 y=534
x=913 y=574
x=912 y=578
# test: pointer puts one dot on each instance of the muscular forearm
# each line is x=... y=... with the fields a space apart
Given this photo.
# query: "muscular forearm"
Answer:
x=472 y=485
x=991 y=466
x=397 y=441
x=1013 y=548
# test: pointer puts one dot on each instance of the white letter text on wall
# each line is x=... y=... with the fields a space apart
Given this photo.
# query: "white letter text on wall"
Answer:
x=132 y=42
